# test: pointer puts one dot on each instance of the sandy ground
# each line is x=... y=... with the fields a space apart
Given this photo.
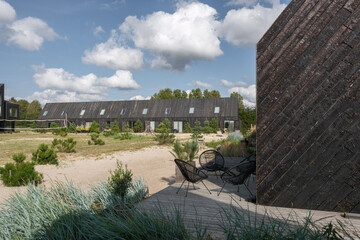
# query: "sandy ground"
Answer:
x=155 y=165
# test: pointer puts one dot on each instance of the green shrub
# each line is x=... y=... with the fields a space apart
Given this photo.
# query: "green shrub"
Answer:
x=214 y=144
x=107 y=131
x=235 y=137
x=72 y=128
x=115 y=129
x=44 y=155
x=197 y=130
x=20 y=173
x=94 y=128
x=164 y=135
x=207 y=128
x=187 y=128
x=235 y=149
x=66 y=145
x=42 y=129
x=138 y=126
x=191 y=149
x=178 y=150
x=120 y=180
x=95 y=139
x=126 y=132
x=214 y=124
x=33 y=125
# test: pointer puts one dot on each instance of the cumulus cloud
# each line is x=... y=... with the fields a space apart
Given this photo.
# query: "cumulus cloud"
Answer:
x=248 y=93
x=229 y=84
x=60 y=85
x=98 y=30
x=113 y=55
x=7 y=13
x=50 y=95
x=139 y=97
x=245 y=26
x=176 y=39
x=202 y=84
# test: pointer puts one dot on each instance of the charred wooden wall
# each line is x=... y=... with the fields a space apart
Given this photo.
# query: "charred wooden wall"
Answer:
x=308 y=104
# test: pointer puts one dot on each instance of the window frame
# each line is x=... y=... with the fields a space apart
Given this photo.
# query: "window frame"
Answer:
x=193 y=110
x=123 y=111
x=45 y=113
x=145 y=111
x=167 y=110
x=82 y=112
x=218 y=110
x=102 y=112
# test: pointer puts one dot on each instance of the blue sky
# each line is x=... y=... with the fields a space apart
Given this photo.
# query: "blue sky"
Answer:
x=57 y=51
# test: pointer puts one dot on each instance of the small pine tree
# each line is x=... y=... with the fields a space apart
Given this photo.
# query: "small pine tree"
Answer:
x=66 y=145
x=107 y=132
x=138 y=126
x=115 y=128
x=197 y=130
x=72 y=128
x=44 y=155
x=207 y=128
x=95 y=139
x=95 y=127
x=214 y=124
x=120 y=180
x=164 y=135
x=187 y=128
x=33 y=125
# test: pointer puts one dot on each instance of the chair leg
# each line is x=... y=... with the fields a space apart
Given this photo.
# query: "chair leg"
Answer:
x=206 y=186
x=194 y=186
x=249 y=190
x=187 y=189
x=221 y=188
x=238 y=188
x=180 y=186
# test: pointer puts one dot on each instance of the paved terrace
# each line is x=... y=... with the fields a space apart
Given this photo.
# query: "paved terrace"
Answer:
x=208 y=206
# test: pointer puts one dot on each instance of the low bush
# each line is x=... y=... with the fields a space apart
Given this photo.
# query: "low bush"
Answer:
x=94 y=128
x=197 y=130
x=234 y=136
x=164 y=135
x=72 y=128
x=120 y=180
x=20 y=173
x=185 y=151
x=207 y=128
x=57 y=130
x=107 y=131
x=138 y=126
x=214 y=124
x=95 y=139
x=187 y=128
x=44 y=155
x=115 y=129
x=66 y=145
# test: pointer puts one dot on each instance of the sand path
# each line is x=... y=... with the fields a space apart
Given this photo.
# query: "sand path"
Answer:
x=155 y=165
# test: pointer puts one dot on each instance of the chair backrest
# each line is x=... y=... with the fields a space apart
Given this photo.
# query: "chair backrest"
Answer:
x=210 y=158
x=238 y=174
x=189 y=171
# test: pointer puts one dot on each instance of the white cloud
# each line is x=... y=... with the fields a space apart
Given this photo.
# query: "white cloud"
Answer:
x=114 y=56
x=7 y=13
x=138 y=97
x=176 y=39
x=50 y=95
x=248 y=93
x=202 y=84
x=246 y=3
x=29 y=33
x=245 y=26
x=229 y=84
x=64 y=86
x=98 y=30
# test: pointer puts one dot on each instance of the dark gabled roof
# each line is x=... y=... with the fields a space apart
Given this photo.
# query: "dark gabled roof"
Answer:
x=156 y=109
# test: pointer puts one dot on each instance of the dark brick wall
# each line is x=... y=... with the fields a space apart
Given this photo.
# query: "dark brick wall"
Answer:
x=308 y=105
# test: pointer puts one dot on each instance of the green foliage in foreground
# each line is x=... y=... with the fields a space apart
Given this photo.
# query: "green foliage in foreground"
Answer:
x=120 y=180
x=95 y=139
x=185 y=151
x=20 y=173
x=44 y=155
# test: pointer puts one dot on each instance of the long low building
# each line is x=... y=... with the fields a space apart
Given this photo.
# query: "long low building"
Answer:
x=150 y=112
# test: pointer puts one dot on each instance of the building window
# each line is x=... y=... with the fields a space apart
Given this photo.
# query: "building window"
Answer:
x=123 y=111
x=191 y=110
x=217 y=110
x=82 y=112
x=145 y=111
x=45 y=113
x=167 y=111
x=102 y=112
x=13 y=112
x=63 y=113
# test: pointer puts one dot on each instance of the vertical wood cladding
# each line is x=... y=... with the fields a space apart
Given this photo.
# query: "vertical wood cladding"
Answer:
x=308 y=105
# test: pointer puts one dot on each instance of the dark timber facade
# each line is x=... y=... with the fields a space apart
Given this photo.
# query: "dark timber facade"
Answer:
x=8 y=111
x=308 y=105
x=150 y=112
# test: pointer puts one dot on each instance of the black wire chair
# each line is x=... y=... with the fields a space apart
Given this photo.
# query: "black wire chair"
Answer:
x=238 y=175
x=212 y=161
x=191 y=174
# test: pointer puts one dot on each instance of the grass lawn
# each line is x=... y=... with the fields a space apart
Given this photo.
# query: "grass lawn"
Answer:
x=28 y=142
